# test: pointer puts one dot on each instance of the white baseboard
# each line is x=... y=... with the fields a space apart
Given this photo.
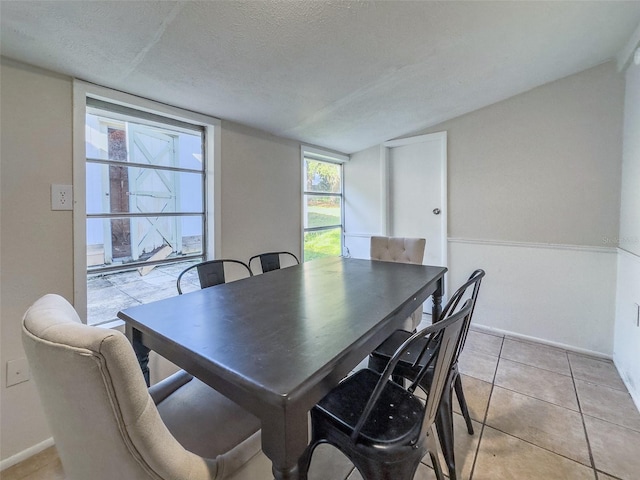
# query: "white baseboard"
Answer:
x=26 y=453
x=635 y=393
x=528 y=338
x=496 y=331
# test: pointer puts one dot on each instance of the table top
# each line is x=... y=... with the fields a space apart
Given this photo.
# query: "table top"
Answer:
x=277 y=335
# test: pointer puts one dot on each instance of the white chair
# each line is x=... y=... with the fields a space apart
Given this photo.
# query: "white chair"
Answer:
x=107 y=425
x=401 y=250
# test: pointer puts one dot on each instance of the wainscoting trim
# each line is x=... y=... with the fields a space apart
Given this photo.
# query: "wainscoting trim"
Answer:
x=554 y=246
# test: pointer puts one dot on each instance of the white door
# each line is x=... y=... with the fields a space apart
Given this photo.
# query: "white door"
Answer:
x=153 y=190
x=418 y=193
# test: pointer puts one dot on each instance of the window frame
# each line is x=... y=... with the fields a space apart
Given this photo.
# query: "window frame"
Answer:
x=109 y=118
x=326 y=156
x=211 y=159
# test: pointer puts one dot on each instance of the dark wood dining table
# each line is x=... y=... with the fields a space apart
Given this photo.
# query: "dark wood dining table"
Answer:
x=276 y=343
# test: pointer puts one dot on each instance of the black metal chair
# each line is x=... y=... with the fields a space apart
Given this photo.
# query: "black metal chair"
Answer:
x=212 y=272
x=209 y=274
x=380 y=425
x=266 y=262
x=409 y=369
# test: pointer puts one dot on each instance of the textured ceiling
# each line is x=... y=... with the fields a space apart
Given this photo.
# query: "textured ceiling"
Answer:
x=343 y=75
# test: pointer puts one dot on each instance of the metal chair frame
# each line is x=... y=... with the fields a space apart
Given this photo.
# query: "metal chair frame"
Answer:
x=380 y=425
x=408 y=369
x=270 y=261
x=211 y=272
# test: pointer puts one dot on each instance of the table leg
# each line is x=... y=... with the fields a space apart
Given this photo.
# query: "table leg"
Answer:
x=142 y=352
x=284 y=438
x=436 y=310
x=288 y=474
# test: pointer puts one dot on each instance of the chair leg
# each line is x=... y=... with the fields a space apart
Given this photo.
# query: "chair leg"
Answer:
x=142 y=354
x=404 y=470
x=457 y=384
x=305 y=460
x=432 y=447
x=444 y=426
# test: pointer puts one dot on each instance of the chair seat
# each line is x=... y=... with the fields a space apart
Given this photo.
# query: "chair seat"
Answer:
x=204 y=421
x=397 y=417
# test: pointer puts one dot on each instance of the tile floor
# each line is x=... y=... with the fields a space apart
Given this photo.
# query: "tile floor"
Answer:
x=539 y=413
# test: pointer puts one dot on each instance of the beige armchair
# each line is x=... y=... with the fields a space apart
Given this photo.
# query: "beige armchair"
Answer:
x=402 y=250
x=107 y=425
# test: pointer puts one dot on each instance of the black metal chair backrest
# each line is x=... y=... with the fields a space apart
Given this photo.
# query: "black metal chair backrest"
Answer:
x=270 y=261
x=212 y=272
x=442 y=338
x=474 y=281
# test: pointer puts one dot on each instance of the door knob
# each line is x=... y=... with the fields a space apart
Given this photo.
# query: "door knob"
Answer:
x=436 y=211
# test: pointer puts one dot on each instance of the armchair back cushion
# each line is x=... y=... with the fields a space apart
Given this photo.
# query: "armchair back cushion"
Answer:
x=401 y=250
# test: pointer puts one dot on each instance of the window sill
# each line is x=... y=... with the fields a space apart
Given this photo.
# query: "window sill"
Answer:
x=115 y=324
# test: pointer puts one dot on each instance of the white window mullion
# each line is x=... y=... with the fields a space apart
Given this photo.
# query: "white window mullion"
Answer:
x=161 y=227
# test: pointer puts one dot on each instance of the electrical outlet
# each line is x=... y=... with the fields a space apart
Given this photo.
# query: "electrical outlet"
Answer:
x=61 y=197
x=17 y=371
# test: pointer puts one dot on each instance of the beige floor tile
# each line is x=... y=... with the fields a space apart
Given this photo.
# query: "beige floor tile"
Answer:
x=604 y=476
x=549 y=426
x=616 y=450
x=52 y=471
x=466 y=447
x=46 y=460
x=503 y=457
x=596 y=370
x=535 y=382
x=479 y=342
x=329 y=463
x=476 y=393
x=608 y=404
x=536 y=355
x=478 y=365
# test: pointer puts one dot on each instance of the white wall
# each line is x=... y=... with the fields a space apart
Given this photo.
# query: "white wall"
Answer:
x=630 y=191
x=37 y=251
x=562 y=296
x=261 y=193
x=365 y=209
x=261 y=182
x=626 y=350
x=533 y=186
x=541 y=167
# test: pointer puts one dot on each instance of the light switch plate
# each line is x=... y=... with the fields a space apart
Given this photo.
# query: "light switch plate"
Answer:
x=61 y=197
x=17 y=371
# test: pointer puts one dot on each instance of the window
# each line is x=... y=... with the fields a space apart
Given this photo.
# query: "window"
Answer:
x=146 y=198
x=145 y=189
x=322 y=203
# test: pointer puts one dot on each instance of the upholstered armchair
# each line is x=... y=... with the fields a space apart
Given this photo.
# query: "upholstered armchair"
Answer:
x=402 y=250
x=107 y=425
